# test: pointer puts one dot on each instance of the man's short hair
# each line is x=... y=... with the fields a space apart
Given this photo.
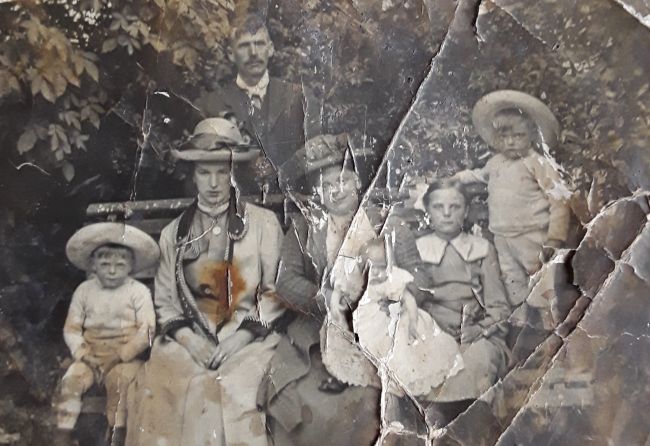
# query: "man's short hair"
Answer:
x=248 y=24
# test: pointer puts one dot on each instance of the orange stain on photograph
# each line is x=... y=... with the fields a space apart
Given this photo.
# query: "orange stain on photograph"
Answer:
x=216 y=289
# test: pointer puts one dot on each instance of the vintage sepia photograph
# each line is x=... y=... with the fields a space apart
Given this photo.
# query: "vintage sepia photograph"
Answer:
x=324 y=222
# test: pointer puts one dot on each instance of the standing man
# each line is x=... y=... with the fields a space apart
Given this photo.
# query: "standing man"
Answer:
x=271 y=109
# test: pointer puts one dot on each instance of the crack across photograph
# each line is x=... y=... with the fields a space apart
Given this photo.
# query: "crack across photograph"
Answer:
x=324 y=222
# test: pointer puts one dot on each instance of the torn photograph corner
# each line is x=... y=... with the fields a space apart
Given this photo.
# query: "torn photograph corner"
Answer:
x=324 y=222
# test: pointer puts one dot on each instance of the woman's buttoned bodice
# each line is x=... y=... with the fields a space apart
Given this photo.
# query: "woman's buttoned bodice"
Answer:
x=226 y=296
x=206 y=269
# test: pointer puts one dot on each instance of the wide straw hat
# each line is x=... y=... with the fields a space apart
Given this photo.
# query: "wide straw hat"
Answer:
x=217 y=139
x=491 y=104
x=86 y=240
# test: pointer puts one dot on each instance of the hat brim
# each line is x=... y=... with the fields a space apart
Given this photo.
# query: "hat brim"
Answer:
x=216 y=155
x=298 y=168
x=489 y=105
x=85 y=241
x=323 y=163
x=336 y=160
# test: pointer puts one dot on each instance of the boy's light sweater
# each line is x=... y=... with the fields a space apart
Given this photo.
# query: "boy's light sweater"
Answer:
x=524 y=195
x=122 y=319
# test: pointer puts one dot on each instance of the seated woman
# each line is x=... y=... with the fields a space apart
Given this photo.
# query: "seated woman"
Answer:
x=306 y=406
x=465 y=296
x=215 y=305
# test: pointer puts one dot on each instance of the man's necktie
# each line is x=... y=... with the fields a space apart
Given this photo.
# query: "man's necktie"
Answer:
x=256 y=103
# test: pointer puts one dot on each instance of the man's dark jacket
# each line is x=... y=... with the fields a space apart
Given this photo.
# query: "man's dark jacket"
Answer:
x=278 y=126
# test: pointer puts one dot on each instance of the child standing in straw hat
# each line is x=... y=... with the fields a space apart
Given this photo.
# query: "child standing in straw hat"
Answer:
x=110 y=321
x=528 y=213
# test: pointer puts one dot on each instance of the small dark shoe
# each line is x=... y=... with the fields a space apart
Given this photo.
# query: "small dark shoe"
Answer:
x=118 y=436
x=62 y=437
x=332 y=385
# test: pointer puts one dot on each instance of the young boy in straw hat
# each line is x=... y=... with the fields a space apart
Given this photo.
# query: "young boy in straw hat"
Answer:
x=528 y=213
x=110 y=322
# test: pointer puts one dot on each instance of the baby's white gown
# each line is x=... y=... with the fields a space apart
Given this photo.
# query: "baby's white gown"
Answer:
x=415 y=367
x=382 y=325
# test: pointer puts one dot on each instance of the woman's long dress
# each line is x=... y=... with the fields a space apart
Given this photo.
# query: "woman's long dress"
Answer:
x=301 y=414
x=178 y=402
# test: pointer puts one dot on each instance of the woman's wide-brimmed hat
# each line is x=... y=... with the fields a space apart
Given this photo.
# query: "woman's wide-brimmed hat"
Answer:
x=491 y=104
x=217 y=139
x=86 y=240
x=324 y=151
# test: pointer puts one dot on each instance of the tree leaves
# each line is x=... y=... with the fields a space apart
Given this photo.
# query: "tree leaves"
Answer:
x=47 y=91
x=185 y=56
x=69 y=76
x=26 y=141
x=109 y=45
x=79 y=140
x=58 y=139
x=72 y=118
x=8 y=83
x=90 y=67
x=131 y=33
x=33 y=27
x=57 y=82
x=56 y=58
x=49 y=61
x=83 y=61
x=68 y=171
x=92 y=112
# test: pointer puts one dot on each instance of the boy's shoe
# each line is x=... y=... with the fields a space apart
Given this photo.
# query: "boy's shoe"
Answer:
x=62 y=437
x=118 y=436
x=332 y=385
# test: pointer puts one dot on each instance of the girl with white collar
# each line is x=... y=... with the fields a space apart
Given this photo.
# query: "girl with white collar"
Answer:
x=464 y=294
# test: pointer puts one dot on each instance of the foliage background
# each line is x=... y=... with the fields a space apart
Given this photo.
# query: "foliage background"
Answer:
x=94 y=93
x=582 y=59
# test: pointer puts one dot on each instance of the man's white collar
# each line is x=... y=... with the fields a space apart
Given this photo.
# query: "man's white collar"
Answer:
x=254 y=90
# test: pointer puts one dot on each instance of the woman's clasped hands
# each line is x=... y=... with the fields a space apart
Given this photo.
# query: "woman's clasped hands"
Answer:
x=204 y=351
